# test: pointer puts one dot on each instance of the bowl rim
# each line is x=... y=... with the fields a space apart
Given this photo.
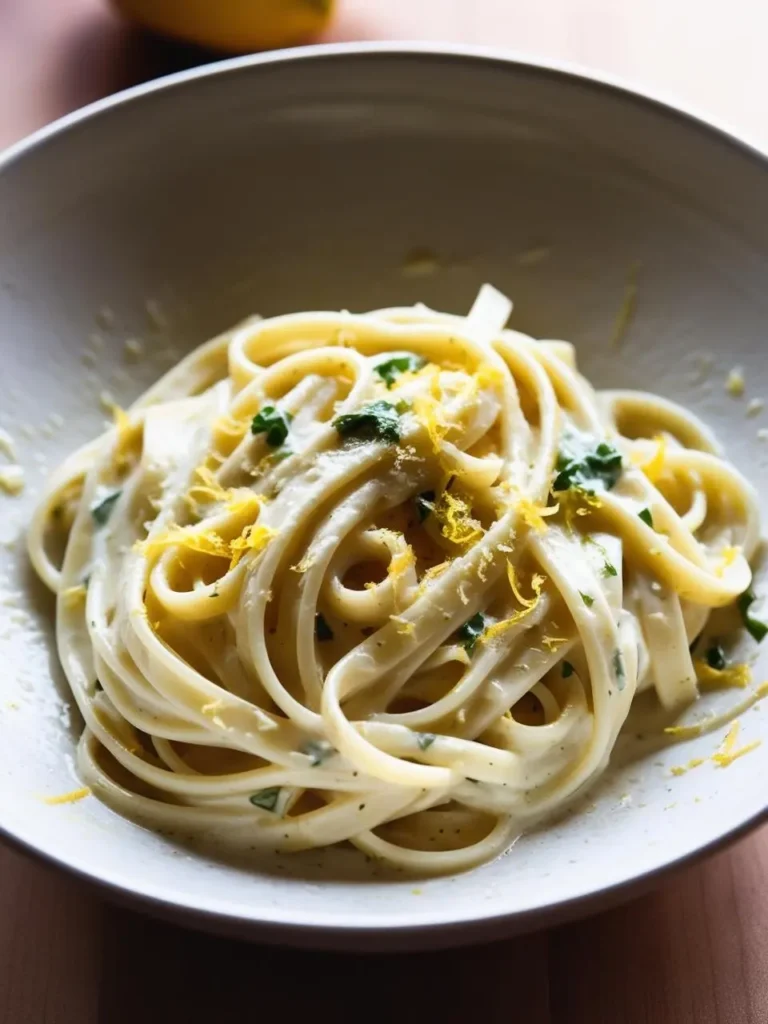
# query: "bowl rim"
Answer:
x=283 y=925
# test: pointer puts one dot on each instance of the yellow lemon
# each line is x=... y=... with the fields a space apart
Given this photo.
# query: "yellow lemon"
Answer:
x=236 y=25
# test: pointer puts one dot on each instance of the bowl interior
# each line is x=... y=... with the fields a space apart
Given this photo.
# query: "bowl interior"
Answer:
x=272 y=185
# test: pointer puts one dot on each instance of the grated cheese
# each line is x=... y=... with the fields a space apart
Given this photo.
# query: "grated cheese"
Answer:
x=404 y=627
x=12 y=479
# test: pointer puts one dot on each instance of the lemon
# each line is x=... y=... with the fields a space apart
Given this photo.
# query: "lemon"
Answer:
x=235 y=25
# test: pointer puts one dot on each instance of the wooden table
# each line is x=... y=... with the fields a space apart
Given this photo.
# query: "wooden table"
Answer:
x=693 y=952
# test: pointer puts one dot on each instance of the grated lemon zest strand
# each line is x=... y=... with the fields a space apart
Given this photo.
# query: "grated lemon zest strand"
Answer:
x=68 y=798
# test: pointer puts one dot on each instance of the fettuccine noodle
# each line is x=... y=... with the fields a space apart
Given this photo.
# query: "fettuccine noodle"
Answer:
x=393 y=579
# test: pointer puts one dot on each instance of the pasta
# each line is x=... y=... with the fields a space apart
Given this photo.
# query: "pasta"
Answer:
x=394 y=579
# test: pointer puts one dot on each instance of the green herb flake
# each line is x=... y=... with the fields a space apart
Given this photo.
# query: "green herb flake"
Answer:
x=266 y=798
x=424 y=504
x=322 y=630
x=471 y=632
x=600 y=465
x=317 y=751
x=567 y=669
x=281 y=455
x=102 y=510
x=587 y=599
x=715 y=657
x=609 y=570
x=755 y=627
x=375 y=422
x=272 y=422
x=618 y=669
x=390 y=370
x=425 y=740
x=647 y=517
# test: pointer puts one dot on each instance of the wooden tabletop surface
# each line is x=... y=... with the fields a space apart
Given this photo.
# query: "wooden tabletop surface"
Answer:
x=693 y=952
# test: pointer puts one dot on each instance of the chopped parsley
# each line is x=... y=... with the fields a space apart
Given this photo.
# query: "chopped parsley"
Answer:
x=390 y=370
x=425 y=740
x=715 y=657
x=378 y=421
x=424 y=503
x=587 y=599
x=618 y=669
x=266 y=798
x=646 y=516
x=273 y=423
x=102 y=510
x=471 y=631
x=755 y=627
x=322 y=630
x=567 y=669
x=609 y=570
x=317 y=751
x=602 y=464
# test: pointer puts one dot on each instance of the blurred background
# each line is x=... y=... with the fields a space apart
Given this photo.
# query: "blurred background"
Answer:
x=56 y=55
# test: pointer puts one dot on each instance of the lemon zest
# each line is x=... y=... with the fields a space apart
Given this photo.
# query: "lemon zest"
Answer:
x=528 y=604
x=454 y=515
x=734 y=677
x=726 y=754
x=205 y=542
x=402 y=562
x=69 y=798
x=430 y=412
x=577 y=502
x=537 y=582
x=252 y=539
x=681 y=769
x=553 y=642
x=533 y=515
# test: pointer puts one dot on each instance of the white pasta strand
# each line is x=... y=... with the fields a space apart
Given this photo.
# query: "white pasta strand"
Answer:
x=391 y=579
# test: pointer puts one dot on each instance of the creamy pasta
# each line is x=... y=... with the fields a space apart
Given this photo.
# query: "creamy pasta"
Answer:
x=393 y=579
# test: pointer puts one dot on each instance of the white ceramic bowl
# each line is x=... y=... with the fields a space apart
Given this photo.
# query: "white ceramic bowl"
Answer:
x=301 y=180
